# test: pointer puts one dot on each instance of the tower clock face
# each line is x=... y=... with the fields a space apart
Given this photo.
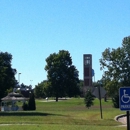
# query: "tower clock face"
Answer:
x=87 y=60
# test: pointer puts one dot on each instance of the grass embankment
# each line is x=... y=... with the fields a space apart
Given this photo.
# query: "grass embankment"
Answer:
x=63 y=115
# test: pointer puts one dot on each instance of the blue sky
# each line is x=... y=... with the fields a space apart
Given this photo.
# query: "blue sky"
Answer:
x=33 y=29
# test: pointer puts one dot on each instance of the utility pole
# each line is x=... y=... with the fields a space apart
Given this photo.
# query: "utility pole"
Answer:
x=19 y=78
x=31 y=81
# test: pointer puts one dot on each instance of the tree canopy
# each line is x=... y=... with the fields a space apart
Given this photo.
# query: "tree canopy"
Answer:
x=7 y=73
x=42 y=90
x=116 y=66
x=62 y=75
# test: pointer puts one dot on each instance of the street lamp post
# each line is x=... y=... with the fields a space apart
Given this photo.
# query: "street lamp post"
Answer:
x=31 y=81
x=99 y=92
x=94 y=77
x=19 y=78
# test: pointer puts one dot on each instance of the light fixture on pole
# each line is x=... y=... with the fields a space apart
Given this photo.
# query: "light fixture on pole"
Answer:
x=31 y=82
x=19 y=78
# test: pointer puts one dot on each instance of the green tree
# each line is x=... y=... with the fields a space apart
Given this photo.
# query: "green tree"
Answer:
x=116 y=63
x=31 y=102
x=81 y=84
x=25 y=87
x=115 y=100
x=39 y=92
x=7 y=74
x=42 y=89
x=62 y=75
x=88 y=99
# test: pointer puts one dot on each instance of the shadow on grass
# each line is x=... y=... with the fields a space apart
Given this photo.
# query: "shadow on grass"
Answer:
x=27 y=113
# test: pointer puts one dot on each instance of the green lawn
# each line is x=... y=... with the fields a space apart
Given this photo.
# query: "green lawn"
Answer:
x=68 y=114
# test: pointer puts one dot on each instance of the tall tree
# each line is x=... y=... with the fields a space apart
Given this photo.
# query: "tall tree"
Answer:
x=116 y=63
x=7 y=73
x=81 y=84
x=61 y=74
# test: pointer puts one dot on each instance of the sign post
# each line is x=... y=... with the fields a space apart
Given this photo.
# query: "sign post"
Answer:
x=100 y=101
x=99 y=93
x=124 y=101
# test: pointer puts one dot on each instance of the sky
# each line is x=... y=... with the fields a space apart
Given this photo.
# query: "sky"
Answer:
x=31 y=30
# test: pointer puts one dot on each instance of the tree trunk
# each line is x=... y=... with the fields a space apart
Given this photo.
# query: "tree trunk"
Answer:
x=56 y=99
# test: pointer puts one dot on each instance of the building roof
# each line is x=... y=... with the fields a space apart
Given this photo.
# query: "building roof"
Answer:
x=14 y=97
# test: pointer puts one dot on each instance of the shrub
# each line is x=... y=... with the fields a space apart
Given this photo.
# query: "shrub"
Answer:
x=25 y=106
x=31 y=103
x=88 y=99
x=115 y=100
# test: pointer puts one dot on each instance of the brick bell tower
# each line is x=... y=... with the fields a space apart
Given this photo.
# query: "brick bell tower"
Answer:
x=87 y=67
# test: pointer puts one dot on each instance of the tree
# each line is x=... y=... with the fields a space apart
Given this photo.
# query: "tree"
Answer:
x=88 y=99
x=39 y=90
x=116 y=63
x=7 y=74
x=25 y=87
x=42 y=89
x=115 y=100
x=31 y=102
x=81 y=84
x=62 y=75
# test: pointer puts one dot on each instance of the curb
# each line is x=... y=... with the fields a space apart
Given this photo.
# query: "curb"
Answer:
x=121 y=118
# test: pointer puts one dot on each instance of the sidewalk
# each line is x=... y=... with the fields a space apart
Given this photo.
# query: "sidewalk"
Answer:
x=121 y=118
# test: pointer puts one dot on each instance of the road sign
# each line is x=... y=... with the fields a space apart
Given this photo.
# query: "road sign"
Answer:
x=93 y=72
x=96 y=92
x=124 y=98
x=99 y=92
